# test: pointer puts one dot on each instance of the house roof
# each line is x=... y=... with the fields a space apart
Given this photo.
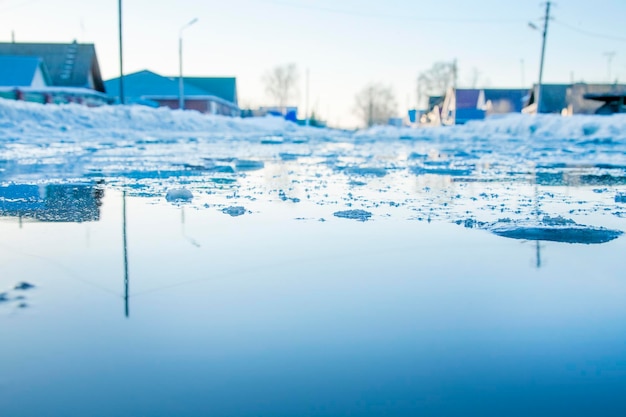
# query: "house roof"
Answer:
x=146 y=84
x=69 y=64
x=19 y=71
x=222 y=87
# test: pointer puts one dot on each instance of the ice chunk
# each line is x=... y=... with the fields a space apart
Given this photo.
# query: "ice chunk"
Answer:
x=179 y=194
x=620 y=198
x=234 y=211
x=23 y=286
x=360 y=215
x=554 y=229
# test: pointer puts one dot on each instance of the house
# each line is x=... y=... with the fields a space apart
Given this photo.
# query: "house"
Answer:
x=203 y=94
x=569 y=99
x=68 y=64
x=461 y=105
x=51 y=73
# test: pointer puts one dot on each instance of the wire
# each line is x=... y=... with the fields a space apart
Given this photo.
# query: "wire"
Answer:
x=18 y=5
x=591 y=34
x=389 y=16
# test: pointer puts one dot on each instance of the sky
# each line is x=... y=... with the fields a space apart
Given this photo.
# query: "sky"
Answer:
x=344 y=44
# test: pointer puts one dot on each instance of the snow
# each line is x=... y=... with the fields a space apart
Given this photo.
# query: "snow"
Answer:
x=520 y=166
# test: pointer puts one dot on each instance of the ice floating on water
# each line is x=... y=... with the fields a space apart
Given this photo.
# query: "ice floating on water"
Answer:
x=179 y=195
x=23 y=286
x=620 y=198
x=244 y=165
x=360 y=215
x=554 y=229
x=234 y=211
x=366 y=171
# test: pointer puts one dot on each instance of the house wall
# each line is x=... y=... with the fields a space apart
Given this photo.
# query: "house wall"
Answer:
x=579 y=105
x=38 y=80
x=199 y=105
x=203 y=106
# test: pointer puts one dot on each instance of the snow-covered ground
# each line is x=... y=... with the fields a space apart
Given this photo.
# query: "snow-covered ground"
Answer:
x=511 y=167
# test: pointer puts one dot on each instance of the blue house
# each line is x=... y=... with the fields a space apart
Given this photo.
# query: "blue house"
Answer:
x=462 y=105
x=51 y=73
x=203 y=94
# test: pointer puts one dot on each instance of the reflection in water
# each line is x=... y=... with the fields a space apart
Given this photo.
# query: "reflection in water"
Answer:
x=52 y=202
x=125 y=239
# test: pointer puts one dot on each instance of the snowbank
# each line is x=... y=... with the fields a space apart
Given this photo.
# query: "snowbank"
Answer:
x=19 y=118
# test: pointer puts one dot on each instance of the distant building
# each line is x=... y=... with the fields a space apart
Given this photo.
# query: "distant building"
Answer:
x=51 y=73
x=569 y=99
x=462 y=105
x=68 y=64
x=204 y=94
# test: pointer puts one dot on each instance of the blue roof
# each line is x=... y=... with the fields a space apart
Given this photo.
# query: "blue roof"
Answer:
x=147 y=84
x=222 y=87
x=19 y=71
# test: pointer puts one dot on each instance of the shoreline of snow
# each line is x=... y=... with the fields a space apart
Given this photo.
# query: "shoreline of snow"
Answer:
x=18 y=119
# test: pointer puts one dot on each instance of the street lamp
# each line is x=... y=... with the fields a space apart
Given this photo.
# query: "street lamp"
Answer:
x=181 y=90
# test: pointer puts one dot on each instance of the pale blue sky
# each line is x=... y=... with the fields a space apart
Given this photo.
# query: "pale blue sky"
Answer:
x=344 y=43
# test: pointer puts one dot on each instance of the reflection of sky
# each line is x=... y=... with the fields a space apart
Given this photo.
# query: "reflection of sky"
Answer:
x=268 y=315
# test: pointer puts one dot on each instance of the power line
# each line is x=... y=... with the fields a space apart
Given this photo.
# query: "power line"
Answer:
x=589 y=33
x=414 y=18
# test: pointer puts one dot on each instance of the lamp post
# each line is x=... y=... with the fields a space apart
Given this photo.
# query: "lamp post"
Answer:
x=181 y=88
x=119 y=27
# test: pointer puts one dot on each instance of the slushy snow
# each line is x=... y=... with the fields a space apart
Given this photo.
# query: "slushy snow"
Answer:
x=517 y=166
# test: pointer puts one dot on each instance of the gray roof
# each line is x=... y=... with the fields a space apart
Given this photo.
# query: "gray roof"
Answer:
x=69 y=64
x=19 y=71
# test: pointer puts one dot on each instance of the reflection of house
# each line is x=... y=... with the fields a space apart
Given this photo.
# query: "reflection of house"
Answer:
x=52 y=203
x=568 y=99
x=206 y=95
x=58 y=73
x=462 y=105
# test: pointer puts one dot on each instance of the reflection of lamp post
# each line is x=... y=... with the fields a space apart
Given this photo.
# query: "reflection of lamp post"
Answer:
x=181 y=90
x=126 y=309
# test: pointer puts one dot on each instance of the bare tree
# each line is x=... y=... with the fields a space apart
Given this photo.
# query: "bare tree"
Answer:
x=375 y=104
x=281 y=83
x=436 y=80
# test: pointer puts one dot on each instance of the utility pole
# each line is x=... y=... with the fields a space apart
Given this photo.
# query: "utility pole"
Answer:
x=119 y=14
x=543 y=53
x=609 y=59
x=306 y=105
